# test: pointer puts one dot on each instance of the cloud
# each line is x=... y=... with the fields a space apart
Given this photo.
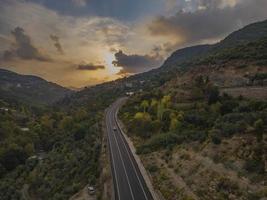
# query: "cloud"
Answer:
x=123 y=73
x=201 y=20
x=57 y=44
x=90 y=67
x=135 y=63
x=23 y=48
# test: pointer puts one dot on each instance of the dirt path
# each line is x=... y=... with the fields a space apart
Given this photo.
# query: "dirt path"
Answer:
x=248 y=92
x=83 y=195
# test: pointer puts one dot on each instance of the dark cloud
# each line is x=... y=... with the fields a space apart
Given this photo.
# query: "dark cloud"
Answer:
x=23 y=48
x=161 y=50
x=209 y=20
x=90 y=67
x=57 y=44
x=118 y=9
x=135 y=63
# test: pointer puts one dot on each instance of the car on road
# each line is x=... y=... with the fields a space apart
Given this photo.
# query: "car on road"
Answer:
x=114 y=128
x=91 y=190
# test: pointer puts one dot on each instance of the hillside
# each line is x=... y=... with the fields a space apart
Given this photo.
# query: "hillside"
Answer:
x=202 y=133
x=249 y=33
x=29 y=89
x=245 y=37
x=242 y=48
x=198 y=124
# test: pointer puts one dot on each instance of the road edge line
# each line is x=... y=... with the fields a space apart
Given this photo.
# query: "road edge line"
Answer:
x=110 y=156
x=141 y=167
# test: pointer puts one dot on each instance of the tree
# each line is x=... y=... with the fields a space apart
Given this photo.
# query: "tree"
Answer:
x=81 y=114
x=166 y=100
x=12 y=157
x=144 y=105
x=47 y=122
x=160 y=111
x=153 y=103
x=153 y=106
x=259 y=128
x=213 y=94
x=66 y=123
x=174 y=124
x=29 y=149
x=142 y=124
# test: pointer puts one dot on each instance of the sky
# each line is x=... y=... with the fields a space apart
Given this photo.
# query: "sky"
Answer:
x=78 y=43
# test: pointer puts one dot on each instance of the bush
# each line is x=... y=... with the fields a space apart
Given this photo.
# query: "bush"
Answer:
x=152 y=168
x=213 y=95
x=229 y=129
x=226 y=185
x=195 y=135
x=254 y=165
x=158 y=141
x=228 y=106
x=216 y=139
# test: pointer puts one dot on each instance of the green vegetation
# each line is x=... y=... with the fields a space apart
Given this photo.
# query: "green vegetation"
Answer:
x=255 y=51
x=52 y=153
x=162 y=123
x=31 y=90
x=200 y=140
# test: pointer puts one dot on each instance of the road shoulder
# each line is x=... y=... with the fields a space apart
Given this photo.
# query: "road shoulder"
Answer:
x=146 y=176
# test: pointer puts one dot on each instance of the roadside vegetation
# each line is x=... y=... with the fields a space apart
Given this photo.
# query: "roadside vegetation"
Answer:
x=163 y=125
x=48 y=154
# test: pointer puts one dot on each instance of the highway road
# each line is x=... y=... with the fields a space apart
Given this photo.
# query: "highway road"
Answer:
x=128 y=182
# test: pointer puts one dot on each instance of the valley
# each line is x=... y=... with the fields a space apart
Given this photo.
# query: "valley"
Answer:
x=198 y=124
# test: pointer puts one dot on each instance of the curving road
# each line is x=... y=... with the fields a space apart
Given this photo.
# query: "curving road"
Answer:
x=128 y=181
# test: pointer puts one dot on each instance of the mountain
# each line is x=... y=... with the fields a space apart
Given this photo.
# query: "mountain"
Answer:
x=244 y=46
x=185 y=54
x=203 y=128
x=29 y=89
x=249 y=34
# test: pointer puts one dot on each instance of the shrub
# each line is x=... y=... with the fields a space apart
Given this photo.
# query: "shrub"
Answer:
x=213 y=95
x=158 y=141
x=254 y=165
x=152 y=168
x=216 y=139
x=226 y=185
x=228 y=106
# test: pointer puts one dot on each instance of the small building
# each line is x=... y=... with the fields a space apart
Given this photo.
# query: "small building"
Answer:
x=142 y=82
x=129 y=85
x=129 y=93
x=4 y=109
x=24 y=129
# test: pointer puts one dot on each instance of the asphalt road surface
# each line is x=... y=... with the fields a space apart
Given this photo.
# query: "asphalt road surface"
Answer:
x=128 y=182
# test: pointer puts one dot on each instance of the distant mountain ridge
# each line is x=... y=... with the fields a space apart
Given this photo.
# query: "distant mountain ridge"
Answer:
x=247 y=34
x=181 y=59
x=29 y=89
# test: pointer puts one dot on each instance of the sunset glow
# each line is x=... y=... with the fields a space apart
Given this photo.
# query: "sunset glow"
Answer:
x=75 y=43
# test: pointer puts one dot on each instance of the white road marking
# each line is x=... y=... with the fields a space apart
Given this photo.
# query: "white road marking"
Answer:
x=130 y=156
x=116 y=180
x=124 y=168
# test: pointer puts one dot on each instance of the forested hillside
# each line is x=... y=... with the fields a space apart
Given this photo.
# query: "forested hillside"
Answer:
x=49 y=153
x=202 y=134
x=198 y=123
x=28 y=89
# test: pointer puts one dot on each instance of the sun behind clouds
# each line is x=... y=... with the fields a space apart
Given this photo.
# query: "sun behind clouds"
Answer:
x=109 y=58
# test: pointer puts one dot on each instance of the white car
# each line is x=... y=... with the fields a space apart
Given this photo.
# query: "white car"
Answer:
x=114 y=128
x=91 y=190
